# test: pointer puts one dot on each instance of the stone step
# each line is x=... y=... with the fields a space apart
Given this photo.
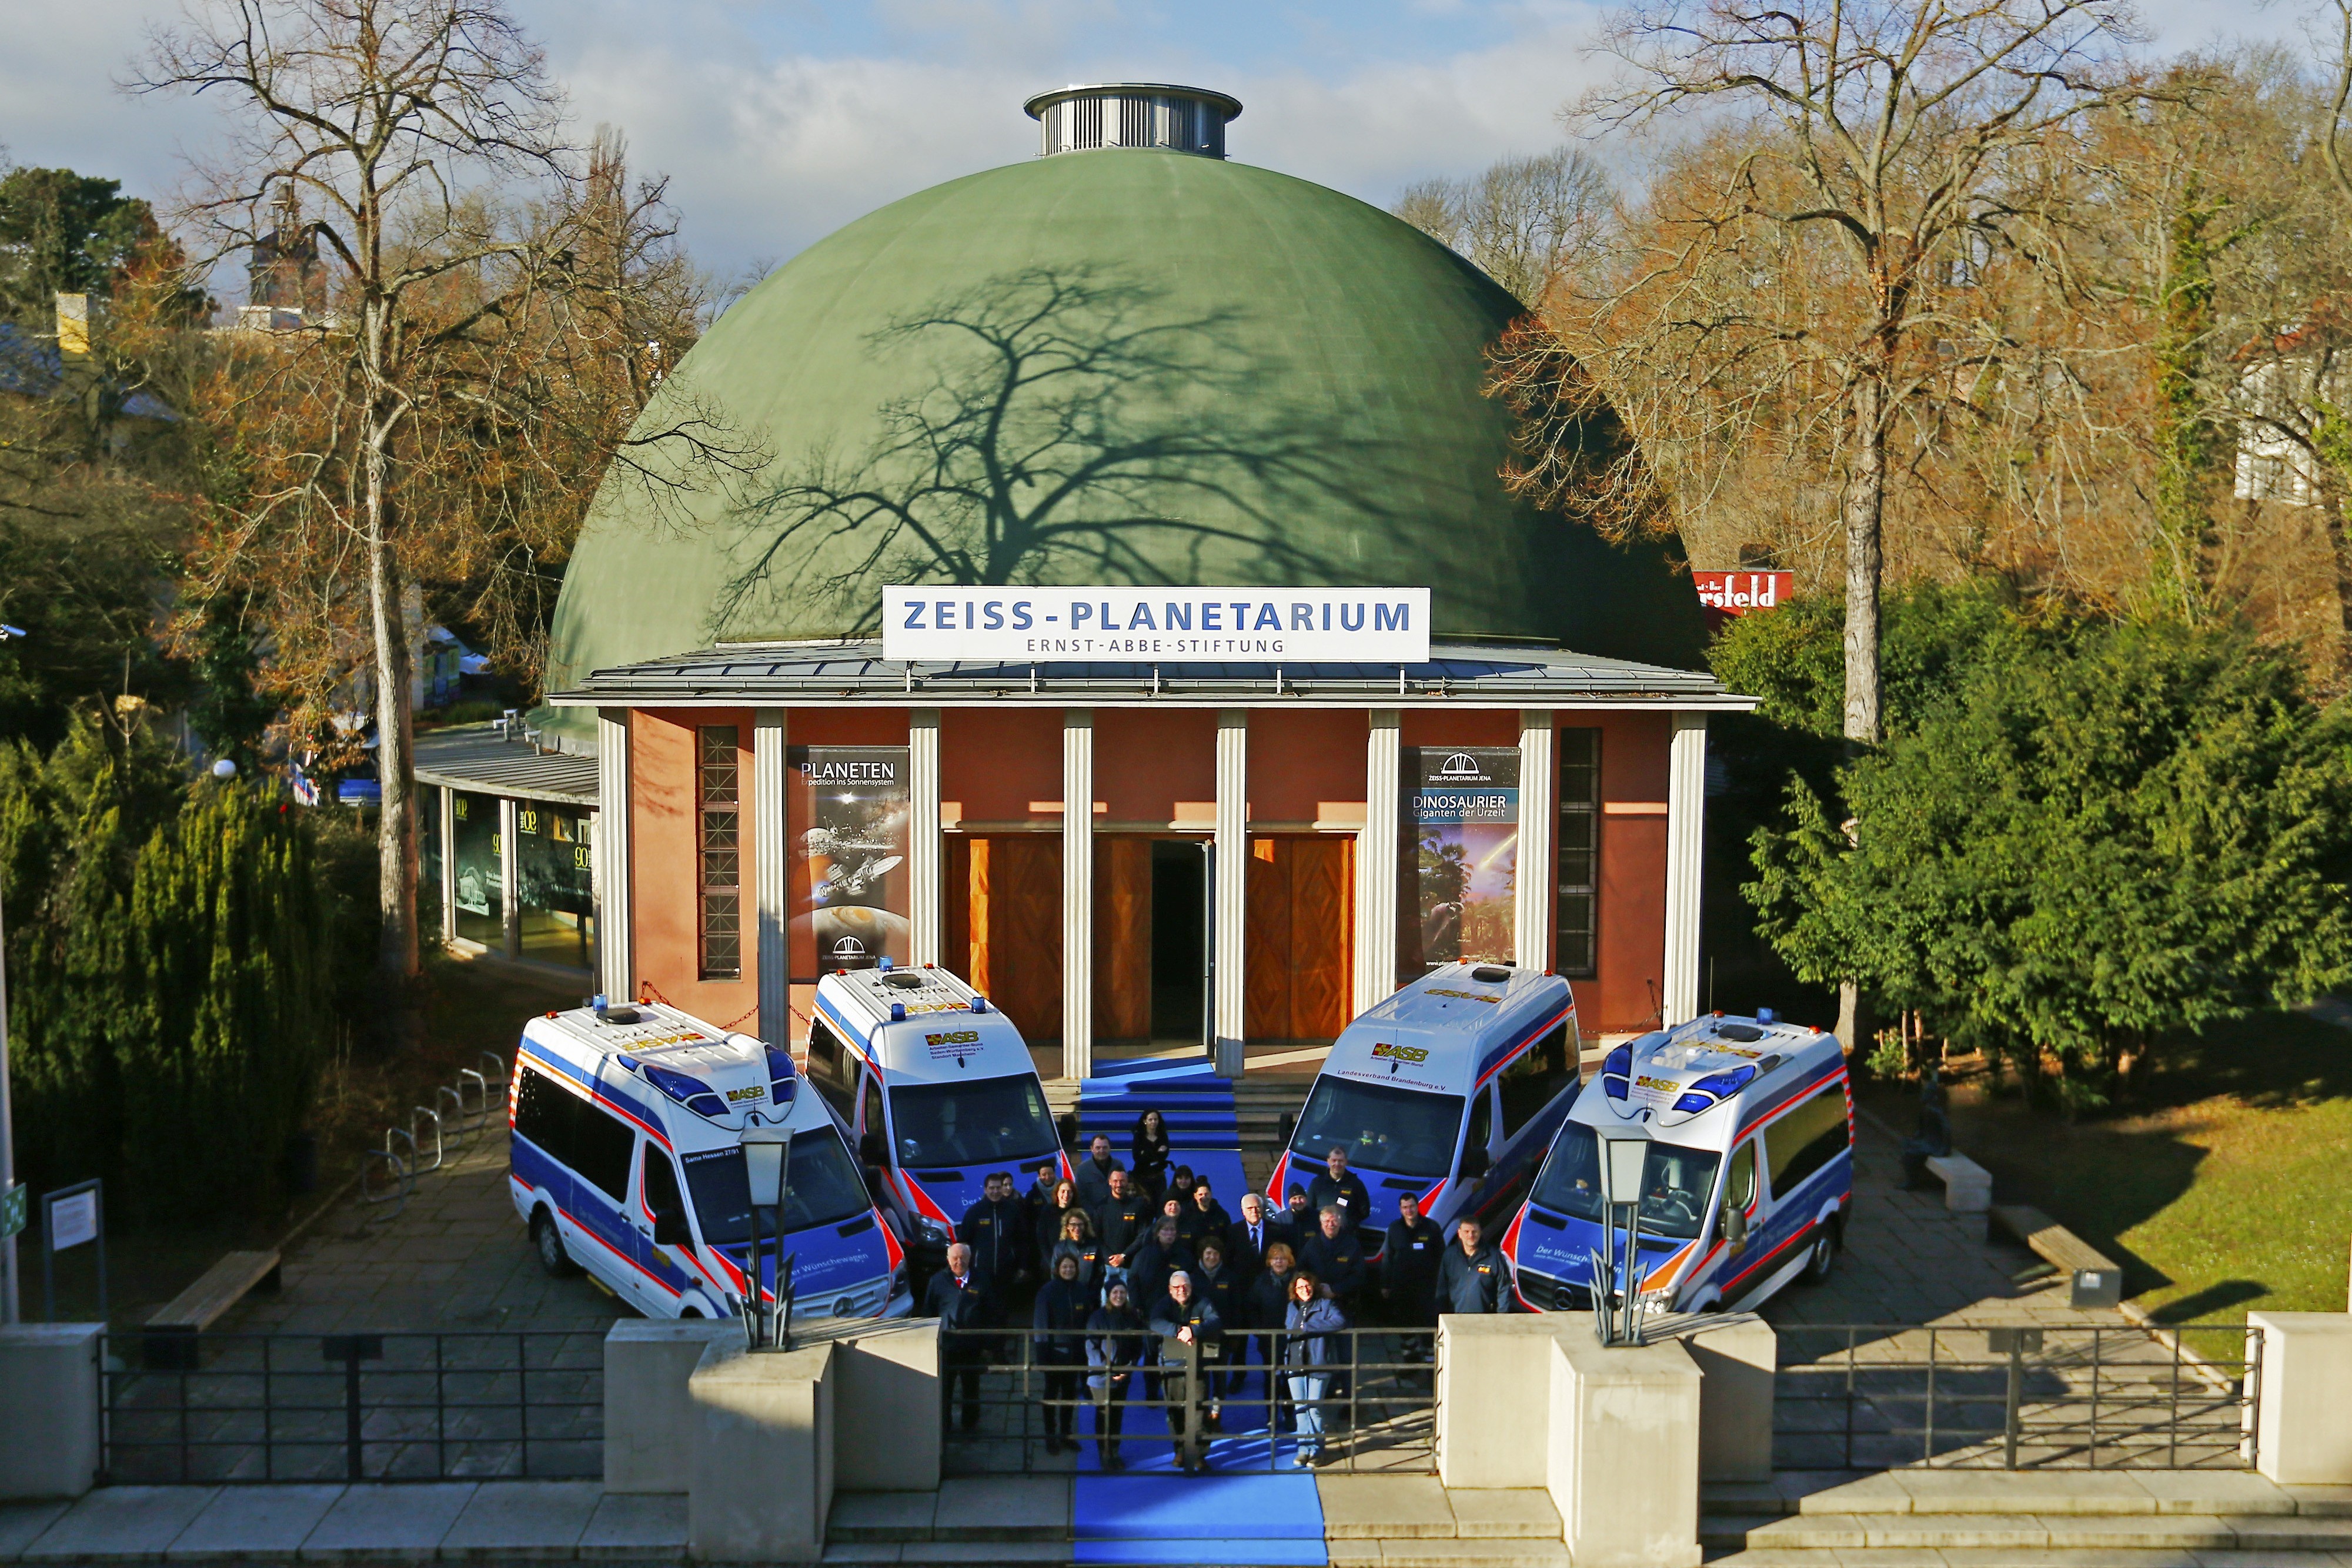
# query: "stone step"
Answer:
x=1409 y=1552
x=1787 y=1557
x=2026 y=1533
x=2235 y=1493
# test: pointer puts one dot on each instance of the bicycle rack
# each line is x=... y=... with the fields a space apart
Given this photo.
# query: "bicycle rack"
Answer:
x=416 y=1152
x=480 y=1114
x=403 y=1178
x=457 y=1125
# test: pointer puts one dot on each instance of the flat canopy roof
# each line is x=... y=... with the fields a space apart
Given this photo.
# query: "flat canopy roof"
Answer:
x=854 y=671
x=477 y=756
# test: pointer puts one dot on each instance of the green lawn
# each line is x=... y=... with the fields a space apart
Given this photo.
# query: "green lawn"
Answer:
x=2226 y=1186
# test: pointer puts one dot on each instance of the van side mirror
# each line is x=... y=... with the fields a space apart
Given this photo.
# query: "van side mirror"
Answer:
x=671 y=1230
x=872 y=1150
x=1734 y=1229
x=1474 y=1161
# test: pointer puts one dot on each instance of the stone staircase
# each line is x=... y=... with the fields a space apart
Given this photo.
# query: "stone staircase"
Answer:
x=2143 y=1518
x=1260 y=1107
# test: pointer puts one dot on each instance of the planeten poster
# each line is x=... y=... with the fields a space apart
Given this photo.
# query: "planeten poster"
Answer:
x=1462 y=821
x=851 y=904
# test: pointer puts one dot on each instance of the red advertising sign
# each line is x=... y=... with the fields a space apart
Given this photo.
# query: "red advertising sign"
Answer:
x=1737 y=592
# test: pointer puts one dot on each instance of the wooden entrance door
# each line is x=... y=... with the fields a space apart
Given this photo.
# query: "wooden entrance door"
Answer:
x=1300 y=935
x=1004 y=924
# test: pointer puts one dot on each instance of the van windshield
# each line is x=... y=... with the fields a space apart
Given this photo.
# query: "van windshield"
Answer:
x=1405 y=1131
x=821 y=1186
x=1674 y=1183
x=988 y=1121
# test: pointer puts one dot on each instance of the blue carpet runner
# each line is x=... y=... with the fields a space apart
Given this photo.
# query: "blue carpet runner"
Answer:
x=1202 y=1131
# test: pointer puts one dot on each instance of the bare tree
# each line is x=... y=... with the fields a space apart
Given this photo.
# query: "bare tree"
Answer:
x=388 y=119
x=1898 y=129
x=1522 y=221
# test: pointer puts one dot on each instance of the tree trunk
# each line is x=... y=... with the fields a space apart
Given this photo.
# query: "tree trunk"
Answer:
x=1865 y=505
x=2339 y=544
x=396 y=954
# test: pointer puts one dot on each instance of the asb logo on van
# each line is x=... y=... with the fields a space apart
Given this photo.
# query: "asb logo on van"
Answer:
x=1662 y=1086
x=736 y=1096
x=1401 y=1053
x=953 y=1045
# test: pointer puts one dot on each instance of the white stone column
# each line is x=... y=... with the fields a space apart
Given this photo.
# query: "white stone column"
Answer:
x=1685 y=840
x=1539 y=820
x=771 y=855
x=925 y=850
x=612 y=855
x=1077 y=891
x=1233 y=889
x=509 y=880
x=1376 y=863
x=447 y=832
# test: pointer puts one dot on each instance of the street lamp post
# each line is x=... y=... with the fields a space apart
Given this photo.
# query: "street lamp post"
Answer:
x=767 y=1162
x=1624 y=1150
x=8 y=1287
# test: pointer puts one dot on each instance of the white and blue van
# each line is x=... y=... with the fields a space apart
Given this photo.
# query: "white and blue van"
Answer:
x=939 y=1089
x=1450 y=1091
x=626 y=1161
x=1745 y=1186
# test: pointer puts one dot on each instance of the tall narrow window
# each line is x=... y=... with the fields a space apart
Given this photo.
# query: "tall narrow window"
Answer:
x=1579 y=848
x=721 y=838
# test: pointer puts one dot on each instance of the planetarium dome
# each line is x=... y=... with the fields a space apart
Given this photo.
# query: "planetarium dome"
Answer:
x=1125 y=361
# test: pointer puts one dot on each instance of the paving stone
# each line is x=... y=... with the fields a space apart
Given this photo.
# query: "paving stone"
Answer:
x=1506 y=1513
x=2180 y=1532
x=120 y=1525
x=1407 y=1553
x=1975 y=1557
x=1812 y=1532
x=1004 y=1508
x=388 y=1523
x=1890 y=1557
x=1845 y=1493
x=523 y=1521
x=1353 y=1553
x=21 y=1524
x=1380 y=1508
x=635 y=1527
x=2015 y=1531
x=254 y=1523
x=881 y=1516
x=2317 y=1502
x=2298 y=1534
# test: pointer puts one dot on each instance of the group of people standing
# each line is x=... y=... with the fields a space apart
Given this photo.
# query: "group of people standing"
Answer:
x=1140 y=1274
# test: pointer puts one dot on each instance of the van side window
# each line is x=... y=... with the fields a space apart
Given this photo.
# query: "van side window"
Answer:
x=1739 y=1187
x=874 y=1123
x=1806 y=1139
x=662 y=1194
x=600 y=1148
x=829 y=1065
x=543 y=1113
x=1482 y=1125
x=1529 y=1083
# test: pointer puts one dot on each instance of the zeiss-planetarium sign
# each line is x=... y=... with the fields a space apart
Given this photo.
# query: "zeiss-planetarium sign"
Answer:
x=1314 y=626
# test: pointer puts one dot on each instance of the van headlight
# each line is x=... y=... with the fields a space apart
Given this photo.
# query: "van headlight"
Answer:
x=930 y=1231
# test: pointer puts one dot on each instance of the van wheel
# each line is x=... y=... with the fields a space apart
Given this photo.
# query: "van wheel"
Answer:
x=1825 y=1255
x=547 y=1242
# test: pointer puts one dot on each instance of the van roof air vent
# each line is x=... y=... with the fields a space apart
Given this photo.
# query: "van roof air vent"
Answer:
x=904 y=979
x=1491 y=975
x=1742 y=1032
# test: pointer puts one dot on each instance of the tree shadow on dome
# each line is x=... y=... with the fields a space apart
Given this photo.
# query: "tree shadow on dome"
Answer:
x=1066 y=432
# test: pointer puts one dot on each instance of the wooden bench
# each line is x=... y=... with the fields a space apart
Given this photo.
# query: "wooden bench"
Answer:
x=2096 y=1278
x=1967 y=1185
x=170 y=1343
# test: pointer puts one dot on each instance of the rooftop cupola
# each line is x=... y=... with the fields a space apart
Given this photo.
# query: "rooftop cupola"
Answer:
x=1134 y=114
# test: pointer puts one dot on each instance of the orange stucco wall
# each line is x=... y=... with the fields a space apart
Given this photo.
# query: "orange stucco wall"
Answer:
x=663 y=852
x=1307 y=767
x=1155 y=767
x=993 y=762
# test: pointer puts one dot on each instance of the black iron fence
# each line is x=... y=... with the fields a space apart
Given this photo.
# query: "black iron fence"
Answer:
x=1999 y=1397
x=1019 y=1403
x=357 y=1406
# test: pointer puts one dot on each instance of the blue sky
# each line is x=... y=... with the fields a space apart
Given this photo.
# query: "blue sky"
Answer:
x=778 y=122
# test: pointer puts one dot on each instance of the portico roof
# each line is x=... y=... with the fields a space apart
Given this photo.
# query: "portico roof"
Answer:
x=854 y=671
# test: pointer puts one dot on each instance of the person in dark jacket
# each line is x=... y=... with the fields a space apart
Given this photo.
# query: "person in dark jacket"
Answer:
x=1203 y=1216
x=1116 y=1344
x=1182 y=1318
x=1247 y=1239
x=1472 y=1279
x=1215 y=1282
x=1336 y=1258
x=1269 y=1300
x=1154 y=1260
x=1045 y=1222
x=959 y=1298
x=1408 y=1260
x=1337 y=1186
x=1060 y=1321
x=998 y=1233
x=1036 y=1200
x=1148 y=1153
x=1298 y=1216
x=1313 y=1348
x=1121 y=1223
x=1077 y=1240
x=1095 y=1173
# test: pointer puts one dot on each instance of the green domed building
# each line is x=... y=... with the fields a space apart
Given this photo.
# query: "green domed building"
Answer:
x=1134 y=367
